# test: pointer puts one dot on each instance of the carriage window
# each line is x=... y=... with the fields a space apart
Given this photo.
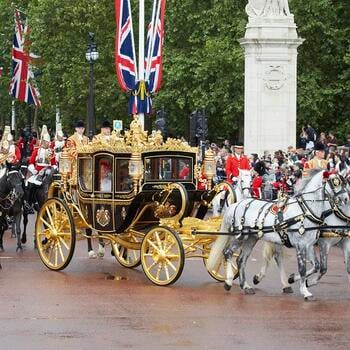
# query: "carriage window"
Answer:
x=168 y=168
x=103 y=173
x=123 y=179
x=85 y=174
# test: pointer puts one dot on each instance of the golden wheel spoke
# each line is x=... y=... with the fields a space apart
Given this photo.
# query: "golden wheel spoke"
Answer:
x=172 y=256
x=169 y=246
x=153 y=245
x=60 y=250
x=170 y=264
x=64 y=234
x=160 y=245
x=160 y=265
x=149 y=268
x=56 y=255
x=50 y=217
x=166 y=271
x=46 y=223
x=63 y=242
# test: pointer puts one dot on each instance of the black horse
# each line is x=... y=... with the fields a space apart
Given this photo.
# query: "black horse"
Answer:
x=36 y=196
x=11 y=202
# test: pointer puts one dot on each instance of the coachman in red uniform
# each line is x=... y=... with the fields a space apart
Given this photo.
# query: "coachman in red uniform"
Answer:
x=235 y=162
x=42 y=158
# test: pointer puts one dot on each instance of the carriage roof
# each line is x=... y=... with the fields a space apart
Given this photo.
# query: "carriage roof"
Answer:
x=136 y=141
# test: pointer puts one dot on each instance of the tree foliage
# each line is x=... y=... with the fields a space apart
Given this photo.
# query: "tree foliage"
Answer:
x=203 y=61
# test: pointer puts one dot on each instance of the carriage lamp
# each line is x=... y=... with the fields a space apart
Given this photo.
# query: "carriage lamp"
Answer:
x=65 y=166
x=136 y=169
x=209 y=167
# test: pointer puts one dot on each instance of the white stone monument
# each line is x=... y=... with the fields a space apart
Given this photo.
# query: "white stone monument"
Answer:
x=270 y=43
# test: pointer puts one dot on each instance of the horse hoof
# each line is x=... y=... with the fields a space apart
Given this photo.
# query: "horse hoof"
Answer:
x=291 y=278
x=256 y=280
x=249 y=291
x=288 y=290
x=227 y=287
x=309 y=298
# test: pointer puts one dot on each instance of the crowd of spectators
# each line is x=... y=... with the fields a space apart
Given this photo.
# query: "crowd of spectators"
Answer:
x=281 y=170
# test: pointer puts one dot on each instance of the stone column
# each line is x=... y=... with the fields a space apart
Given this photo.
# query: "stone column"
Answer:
x=270 y=43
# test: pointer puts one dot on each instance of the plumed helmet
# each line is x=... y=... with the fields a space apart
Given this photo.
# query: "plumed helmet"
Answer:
x=7 y=136
x=45 y=136
x=59 y=132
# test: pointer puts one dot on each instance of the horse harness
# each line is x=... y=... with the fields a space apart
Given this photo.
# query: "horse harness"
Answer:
x=281 y=226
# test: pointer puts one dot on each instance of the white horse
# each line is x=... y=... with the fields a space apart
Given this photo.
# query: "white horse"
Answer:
x=252 y=219
x=340 y=217
x=242 y=190
x=336 y=233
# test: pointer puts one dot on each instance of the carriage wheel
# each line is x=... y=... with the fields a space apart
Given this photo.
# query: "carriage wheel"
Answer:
x=55 y=234
x=162 y=256
x=219 y=273
x=129 y=258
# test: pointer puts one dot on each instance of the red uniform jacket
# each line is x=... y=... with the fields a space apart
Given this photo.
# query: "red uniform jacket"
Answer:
x=233 y=164
x=257 y=186
x=51 y=160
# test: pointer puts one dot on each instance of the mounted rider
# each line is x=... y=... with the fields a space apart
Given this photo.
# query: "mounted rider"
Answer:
x=59 y=142
x=42 y=159
x=235 y=162
x=9 y=151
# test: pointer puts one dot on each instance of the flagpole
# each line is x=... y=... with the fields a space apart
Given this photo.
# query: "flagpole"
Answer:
x=142 y=52
x=150 y=39
x=153 y=39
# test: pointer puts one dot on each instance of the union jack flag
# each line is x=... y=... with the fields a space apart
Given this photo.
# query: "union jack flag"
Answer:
x=154 y=48
x=125 y=46
x=22 y=86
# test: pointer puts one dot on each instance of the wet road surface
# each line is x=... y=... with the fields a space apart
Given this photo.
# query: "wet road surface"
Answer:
x=97 y=304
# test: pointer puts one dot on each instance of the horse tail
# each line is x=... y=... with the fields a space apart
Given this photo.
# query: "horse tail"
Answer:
x=215 y=254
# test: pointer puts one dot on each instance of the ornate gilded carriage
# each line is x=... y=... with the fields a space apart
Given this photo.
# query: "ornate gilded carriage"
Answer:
x=139 y=194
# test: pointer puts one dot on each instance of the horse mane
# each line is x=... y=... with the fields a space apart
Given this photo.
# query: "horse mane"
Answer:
x=305 y=181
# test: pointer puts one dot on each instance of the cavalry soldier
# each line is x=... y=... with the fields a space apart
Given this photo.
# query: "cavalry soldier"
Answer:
x=42 y=158
x=235 y=162
x=318 y=161
x=105 y=134
x=59 y=142
x=9 y=150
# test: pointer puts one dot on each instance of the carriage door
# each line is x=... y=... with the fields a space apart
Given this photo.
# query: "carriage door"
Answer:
x=103 y=193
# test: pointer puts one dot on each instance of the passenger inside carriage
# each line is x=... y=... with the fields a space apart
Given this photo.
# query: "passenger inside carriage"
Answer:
x=105 y=171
